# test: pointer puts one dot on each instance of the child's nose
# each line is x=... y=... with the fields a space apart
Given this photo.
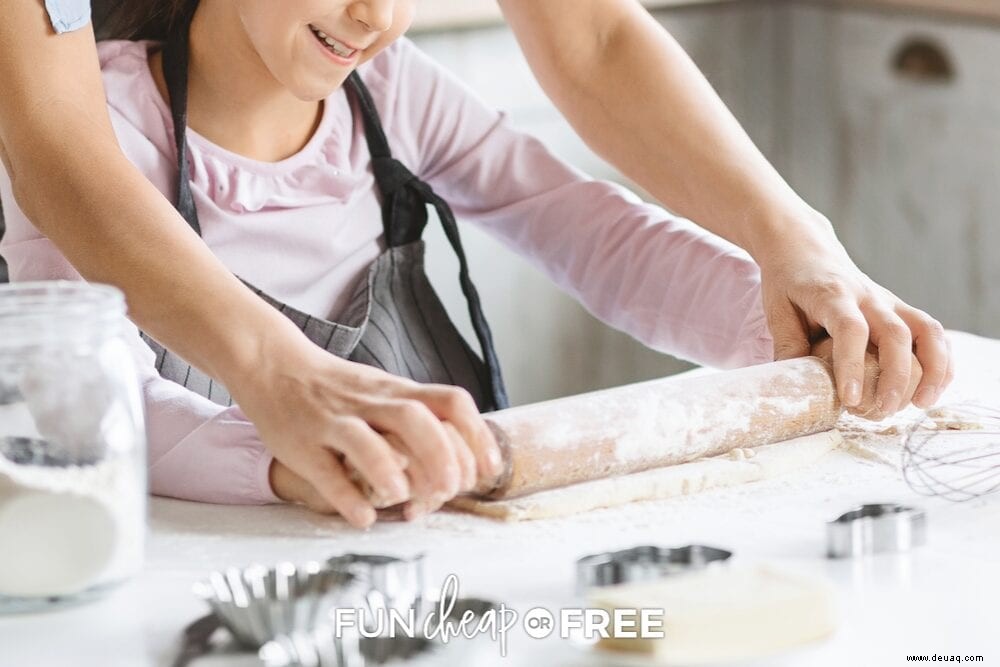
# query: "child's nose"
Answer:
x=374 y=15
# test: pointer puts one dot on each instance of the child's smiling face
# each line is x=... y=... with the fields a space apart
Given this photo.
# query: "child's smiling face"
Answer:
x=311 y=46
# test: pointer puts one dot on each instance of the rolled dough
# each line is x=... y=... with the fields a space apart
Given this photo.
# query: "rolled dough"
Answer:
x=725 y=614
x=737 y=467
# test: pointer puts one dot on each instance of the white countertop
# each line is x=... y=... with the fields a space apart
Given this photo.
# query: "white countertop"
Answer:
x=940 y=599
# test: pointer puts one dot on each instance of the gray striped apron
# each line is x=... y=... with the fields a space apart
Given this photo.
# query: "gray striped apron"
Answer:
x=395 y=321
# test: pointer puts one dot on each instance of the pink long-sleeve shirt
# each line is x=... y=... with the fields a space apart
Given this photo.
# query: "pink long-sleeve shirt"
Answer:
x=305 y=229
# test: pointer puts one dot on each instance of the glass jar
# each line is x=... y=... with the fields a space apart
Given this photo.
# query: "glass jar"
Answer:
x=72 y=445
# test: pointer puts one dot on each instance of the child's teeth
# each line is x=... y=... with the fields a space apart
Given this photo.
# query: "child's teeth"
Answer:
x=334 y=45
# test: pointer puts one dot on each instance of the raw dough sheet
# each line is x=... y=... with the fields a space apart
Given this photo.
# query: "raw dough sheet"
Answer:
x=737 y=467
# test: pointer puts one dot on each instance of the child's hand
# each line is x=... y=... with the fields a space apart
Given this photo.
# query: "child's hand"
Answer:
x=320 y=415
x=869 y=407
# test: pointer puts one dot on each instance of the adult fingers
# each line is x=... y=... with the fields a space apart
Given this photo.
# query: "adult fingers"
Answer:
x=849 y=331
x=421 y=489
x=791 y=338
x=463 y=454
x=950 y=375
x=375 y=461
x=424 y=439
x=895 y=350
x=308 y=495
x=932 y=350
x=424 y=499
x=455 y=405
x=328 y=477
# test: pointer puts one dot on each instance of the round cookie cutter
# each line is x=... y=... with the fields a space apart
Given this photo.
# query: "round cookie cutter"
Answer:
x=876 y=528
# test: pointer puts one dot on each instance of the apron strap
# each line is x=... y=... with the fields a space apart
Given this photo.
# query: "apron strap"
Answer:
x=175 y=72
x=404 y=212
x=479 y=323
x=404 y=216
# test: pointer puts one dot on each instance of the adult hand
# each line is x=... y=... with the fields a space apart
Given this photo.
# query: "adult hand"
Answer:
x=868 y=407
x=335 y=417
x=812 y=288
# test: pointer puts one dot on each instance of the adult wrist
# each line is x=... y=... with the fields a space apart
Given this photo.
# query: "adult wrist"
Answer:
x=773 y=235
x=265 y=350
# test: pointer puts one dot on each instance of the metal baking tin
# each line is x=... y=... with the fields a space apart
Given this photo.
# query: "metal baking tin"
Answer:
x=258 y=603
x=875 y=528
x=320 y=648
x=643 y=563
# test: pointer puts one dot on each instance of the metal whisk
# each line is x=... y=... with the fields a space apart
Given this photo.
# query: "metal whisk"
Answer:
x=954 y=452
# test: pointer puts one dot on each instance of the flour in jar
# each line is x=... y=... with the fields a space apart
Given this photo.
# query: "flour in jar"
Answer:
x=67 y=527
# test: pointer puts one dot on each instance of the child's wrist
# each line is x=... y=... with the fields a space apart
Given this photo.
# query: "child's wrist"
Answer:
x=281 y=480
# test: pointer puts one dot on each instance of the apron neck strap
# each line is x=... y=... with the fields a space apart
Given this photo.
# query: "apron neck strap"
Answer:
x=175 y=73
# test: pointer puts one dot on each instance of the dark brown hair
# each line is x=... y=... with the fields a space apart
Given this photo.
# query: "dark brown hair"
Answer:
x=144 y=19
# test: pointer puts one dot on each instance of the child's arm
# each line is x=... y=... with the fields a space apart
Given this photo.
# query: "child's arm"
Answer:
x=669 y=283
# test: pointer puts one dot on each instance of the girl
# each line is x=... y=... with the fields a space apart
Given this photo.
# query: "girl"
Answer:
x=304 y=141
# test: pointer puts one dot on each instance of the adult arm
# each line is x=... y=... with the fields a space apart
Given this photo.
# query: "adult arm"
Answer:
x=636 y=98
x=70 y=178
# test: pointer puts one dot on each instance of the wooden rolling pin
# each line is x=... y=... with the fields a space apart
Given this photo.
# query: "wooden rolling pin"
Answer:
x=663 y=422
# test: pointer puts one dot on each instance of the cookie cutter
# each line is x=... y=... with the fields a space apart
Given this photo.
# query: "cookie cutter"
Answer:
x=321 y=648
x=387 y=582
x=643 y=563
x=875 y=528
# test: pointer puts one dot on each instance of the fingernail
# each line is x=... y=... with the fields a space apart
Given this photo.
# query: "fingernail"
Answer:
x=926 y=397
x=415 y=510
x=852 y=393
x=889 y=403
x=399 y=488
x=496 y=461
x=365 y=516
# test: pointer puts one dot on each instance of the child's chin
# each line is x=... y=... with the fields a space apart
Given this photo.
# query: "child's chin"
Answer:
x=314 y=92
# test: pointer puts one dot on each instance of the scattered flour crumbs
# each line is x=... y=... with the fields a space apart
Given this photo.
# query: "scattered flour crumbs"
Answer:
x=881 y=442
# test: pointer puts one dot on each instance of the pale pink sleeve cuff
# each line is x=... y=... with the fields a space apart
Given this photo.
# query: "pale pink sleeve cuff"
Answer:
x=202 y=451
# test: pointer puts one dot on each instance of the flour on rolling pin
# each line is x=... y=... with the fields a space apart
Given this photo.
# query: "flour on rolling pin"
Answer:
x=663 y=422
